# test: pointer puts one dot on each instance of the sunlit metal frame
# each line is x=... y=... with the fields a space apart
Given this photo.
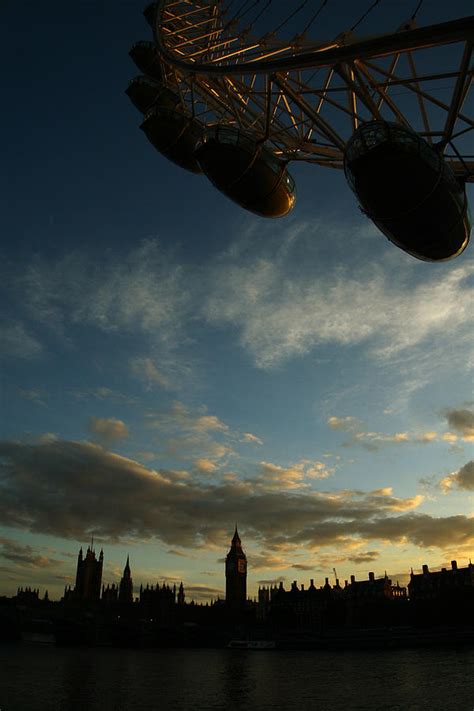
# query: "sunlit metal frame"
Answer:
x=305 y=98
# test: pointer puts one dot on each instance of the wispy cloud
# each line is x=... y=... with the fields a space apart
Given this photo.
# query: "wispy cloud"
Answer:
x=16 y=341
x=281 y=315
x=103 y=393
x=279 y=312
x=361 y=435
x=145 y=369
x=180 y=554
x=299 y=475
x=180 y=417
x=25 y=555
x=251 y=438
x=270 y=582
x=143 y=292
x=194 y=435
x=364 y=557
x=201 y=593
x=36 y=395
x=164 y=372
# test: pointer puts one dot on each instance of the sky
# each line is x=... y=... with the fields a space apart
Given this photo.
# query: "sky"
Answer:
x=172 y=365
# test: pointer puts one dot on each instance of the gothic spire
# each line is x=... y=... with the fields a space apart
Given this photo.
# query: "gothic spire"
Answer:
x=236 y=538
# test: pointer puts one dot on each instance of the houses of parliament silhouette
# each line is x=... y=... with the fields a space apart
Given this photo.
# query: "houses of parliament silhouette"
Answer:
x=89 y=578
x=161 y=615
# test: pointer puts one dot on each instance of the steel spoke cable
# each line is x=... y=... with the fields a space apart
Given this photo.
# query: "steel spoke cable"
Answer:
x=366 y=13
x=260 y=13
x=226 y=9
x=415 y=12
x=290 y=16
x=256 y=2
x=315 y=16
x=237 y=15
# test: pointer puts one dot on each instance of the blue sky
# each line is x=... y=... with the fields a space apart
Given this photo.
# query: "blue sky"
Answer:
x=172 y=364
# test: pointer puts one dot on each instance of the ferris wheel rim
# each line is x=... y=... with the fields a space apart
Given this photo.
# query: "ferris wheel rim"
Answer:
x=231 y=58
x=327 y=53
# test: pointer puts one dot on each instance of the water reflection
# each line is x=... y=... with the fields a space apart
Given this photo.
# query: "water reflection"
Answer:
x=122 y=679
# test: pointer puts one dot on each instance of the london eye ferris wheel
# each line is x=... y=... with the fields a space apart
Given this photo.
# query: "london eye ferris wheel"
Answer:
x=221 y=99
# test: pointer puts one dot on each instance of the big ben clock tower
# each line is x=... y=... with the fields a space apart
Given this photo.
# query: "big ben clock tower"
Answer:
x=236 y=575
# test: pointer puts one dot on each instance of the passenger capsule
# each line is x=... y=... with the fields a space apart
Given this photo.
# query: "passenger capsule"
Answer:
x=147 y=59
x=150 y=13
x=247 y=172
x=175 y=134
x=145 y=91
x=409 y=191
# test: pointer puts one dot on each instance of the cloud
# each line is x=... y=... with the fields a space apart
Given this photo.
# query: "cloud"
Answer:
x=25 y=555
x=202 y=593
x=17 y=342
x=461 y=479
x=146 y=455
x=103 y=393
x=372 y=441
x=296 y=476
x=108 y=428
x=194 y=435
x=281 y=314
x=462 y=421
x=346 y=424
x=266 y=561
x=248 y=437
x=363 y=437
x=169 y=375
x=302 y=566
x=427 y=437
x=76 y=489
x=180 y=417
x=270 y=582
x=145 y=368
x=206 y=466
x=364 y=557
x=143 y=292
x=35 y=395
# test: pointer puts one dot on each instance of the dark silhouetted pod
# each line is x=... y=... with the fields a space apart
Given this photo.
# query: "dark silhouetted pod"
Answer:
x=150 y=13
x=174 y=134
x=147 y=59
x=144 y=92
x=406 y=187
x=247 y=172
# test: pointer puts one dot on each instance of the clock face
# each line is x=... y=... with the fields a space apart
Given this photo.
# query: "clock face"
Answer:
x=242 y=566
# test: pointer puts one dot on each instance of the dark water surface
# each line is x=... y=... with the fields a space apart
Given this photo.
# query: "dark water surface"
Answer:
x=47 y=677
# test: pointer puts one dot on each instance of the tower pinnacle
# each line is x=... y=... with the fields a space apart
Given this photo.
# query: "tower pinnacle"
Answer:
x=236 y=574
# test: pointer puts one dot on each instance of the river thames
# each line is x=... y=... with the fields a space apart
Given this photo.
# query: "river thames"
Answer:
x=36 y=677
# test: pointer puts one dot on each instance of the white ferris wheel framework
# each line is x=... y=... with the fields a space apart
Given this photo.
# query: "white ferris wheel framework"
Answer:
x=304 y=98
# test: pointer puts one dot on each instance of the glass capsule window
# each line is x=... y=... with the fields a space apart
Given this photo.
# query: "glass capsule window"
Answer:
x=229 y=135
x=375 y=133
